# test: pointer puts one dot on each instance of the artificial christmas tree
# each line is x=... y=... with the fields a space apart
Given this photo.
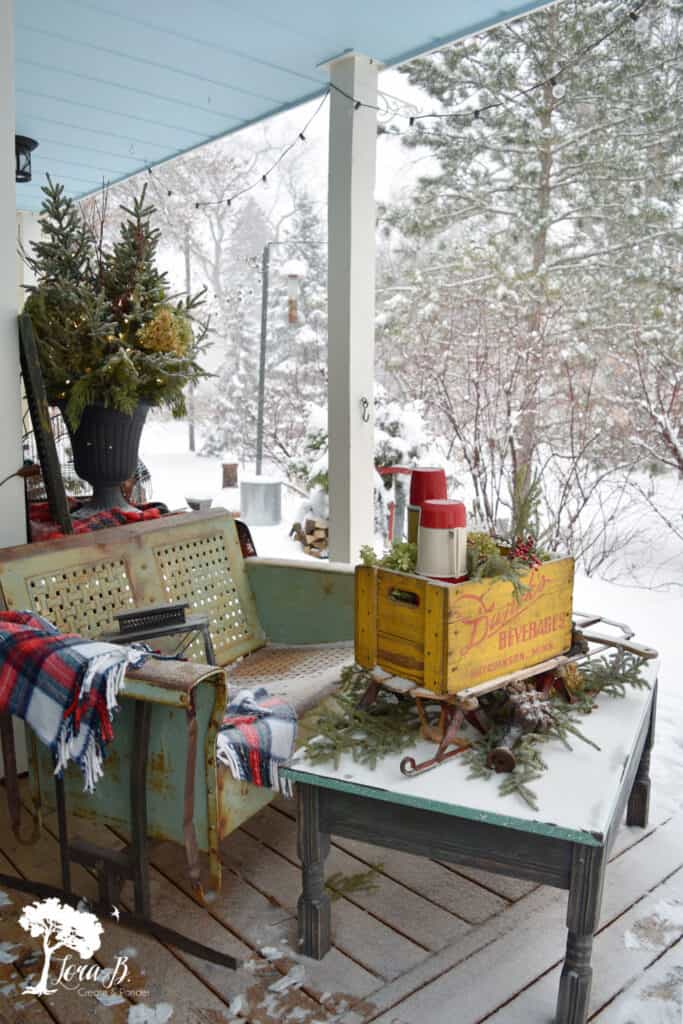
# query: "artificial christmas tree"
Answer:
x=111 y=341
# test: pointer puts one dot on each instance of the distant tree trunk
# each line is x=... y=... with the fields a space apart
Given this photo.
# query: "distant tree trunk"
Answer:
x=523 y=448
x=188 y=290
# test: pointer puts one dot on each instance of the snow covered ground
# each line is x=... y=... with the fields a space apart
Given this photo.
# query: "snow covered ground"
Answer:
x=655 y=614
x=178 y=474
x=656 y=617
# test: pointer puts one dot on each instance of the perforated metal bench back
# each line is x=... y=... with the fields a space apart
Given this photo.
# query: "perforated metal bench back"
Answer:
x=81 y=582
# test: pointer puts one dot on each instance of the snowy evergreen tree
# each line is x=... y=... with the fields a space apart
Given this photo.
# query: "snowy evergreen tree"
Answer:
x=401 y=439
x=107 y=329
x=512 y=266
x=296 y=353
x=227 y=411
x=296 y=373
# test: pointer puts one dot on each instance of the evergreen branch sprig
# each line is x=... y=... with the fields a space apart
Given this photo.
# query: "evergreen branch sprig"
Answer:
x=401 y=557
x=339 y=884
x=387 y=727
x=487 y=559
x=612 y=676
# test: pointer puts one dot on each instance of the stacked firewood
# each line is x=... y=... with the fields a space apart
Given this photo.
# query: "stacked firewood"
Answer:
x=313 y=535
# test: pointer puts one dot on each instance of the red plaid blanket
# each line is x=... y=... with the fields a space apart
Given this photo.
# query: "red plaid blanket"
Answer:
x=64 y=687
x=42 y=527
x=257 y=736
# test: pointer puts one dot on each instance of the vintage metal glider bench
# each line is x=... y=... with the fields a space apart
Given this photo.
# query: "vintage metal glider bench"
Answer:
x=294 y=621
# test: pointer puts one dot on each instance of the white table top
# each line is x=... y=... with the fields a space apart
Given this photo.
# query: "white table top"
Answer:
x=576 y=796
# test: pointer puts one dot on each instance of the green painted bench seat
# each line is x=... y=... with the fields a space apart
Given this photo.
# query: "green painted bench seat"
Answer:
x=81 y=582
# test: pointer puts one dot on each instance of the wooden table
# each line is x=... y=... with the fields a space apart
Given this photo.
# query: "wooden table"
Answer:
x=444 y=815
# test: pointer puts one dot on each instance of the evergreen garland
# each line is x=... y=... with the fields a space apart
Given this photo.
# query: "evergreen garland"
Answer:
x=606 y=675
x=386 y=727
x=391 y=723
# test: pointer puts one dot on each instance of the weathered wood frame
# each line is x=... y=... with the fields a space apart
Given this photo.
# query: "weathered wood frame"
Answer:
x=39 y=411
x=547 y=859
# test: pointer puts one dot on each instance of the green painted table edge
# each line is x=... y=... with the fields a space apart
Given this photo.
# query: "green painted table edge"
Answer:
x=454 y=810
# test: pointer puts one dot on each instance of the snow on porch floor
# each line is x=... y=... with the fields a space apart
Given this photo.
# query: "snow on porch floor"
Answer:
x=429 y=944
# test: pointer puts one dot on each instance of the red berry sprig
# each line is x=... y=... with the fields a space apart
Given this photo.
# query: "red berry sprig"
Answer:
x=525 y=551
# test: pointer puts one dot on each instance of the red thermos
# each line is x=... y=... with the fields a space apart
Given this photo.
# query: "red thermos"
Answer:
x=426 y=484
x=442 y=541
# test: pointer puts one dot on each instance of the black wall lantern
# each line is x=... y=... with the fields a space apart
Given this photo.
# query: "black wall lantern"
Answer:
x=23 y=147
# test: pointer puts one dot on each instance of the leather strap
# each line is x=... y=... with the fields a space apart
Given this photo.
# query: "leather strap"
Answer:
x=191 y=846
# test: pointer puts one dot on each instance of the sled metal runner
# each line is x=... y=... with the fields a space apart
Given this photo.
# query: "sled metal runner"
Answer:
x=456 y=709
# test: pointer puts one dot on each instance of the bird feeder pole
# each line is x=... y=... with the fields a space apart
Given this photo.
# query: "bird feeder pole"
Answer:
x=265 y=265
x=293 y=271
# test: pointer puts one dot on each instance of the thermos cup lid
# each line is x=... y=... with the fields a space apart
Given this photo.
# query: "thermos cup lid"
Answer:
x=443 y=514
x=427 y=483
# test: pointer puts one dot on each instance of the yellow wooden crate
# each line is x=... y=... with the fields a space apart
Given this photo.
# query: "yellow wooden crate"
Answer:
x=450 y=637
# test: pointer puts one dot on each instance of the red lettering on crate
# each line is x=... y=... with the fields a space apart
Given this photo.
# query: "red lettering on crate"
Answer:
x=485 y=620
x=529 y=631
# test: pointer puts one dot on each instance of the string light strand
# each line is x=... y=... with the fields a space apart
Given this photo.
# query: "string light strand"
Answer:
x=263 y=178
x=465 y=116
x=551 y=80
x=471 y=113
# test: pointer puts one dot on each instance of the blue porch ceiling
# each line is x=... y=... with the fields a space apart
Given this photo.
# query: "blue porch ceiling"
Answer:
x=109 y=88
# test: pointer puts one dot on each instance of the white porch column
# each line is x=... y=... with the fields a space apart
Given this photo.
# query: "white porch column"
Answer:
x=351 y=304
x=12 y=523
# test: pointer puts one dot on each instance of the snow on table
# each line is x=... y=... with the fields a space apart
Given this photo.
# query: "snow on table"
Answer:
x=576 y=796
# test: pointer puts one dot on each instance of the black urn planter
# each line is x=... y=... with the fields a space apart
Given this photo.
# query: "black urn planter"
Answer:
x=105 y=450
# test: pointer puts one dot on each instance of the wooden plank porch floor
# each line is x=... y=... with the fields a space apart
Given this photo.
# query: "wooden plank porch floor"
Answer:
x=429 y=944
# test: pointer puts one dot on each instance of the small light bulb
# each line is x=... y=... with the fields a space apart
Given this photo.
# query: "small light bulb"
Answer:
x=559 y=90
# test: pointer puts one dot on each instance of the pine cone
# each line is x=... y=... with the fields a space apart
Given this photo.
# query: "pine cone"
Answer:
x=532 y=711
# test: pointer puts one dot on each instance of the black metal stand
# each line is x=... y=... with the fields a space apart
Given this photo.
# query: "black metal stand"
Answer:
x=36 y=399
x=144 y=624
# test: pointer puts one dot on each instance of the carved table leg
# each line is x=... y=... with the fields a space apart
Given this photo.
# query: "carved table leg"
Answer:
x=639 y=800
x=314 y=903
x=583 y=910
